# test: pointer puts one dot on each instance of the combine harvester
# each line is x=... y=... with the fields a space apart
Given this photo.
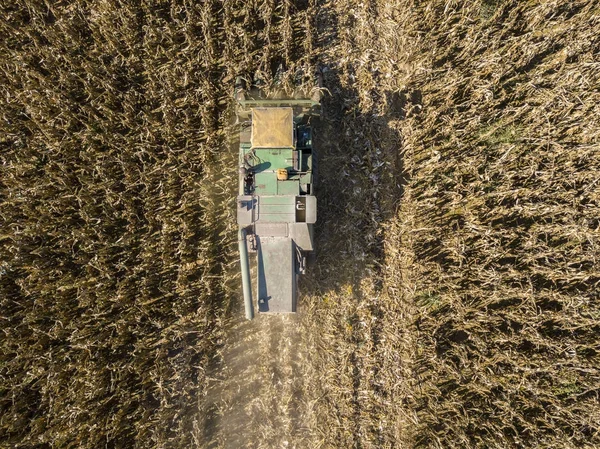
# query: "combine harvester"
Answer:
x=276 y=203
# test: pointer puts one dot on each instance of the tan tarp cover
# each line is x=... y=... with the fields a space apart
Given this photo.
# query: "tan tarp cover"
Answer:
x=272 y=128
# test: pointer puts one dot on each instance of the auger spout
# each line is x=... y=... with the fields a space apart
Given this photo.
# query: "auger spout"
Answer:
x=245 y=265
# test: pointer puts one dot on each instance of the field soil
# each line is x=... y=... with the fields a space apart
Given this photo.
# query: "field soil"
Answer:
x=454 y=300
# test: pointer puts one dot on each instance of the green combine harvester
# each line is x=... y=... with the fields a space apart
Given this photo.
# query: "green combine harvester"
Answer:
x=276 y=203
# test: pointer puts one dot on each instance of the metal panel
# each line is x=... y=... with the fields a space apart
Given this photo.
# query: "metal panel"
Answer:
x=311 y=209
x=266 y=183
x=245 y=210
x=276 y=209
x=306 y=178
x=274 y=158
x=288 y=187
x=271 y=229
x=302 y=235
x=276 y=275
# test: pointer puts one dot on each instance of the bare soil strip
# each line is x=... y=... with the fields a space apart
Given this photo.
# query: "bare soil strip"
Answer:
x=257 y=393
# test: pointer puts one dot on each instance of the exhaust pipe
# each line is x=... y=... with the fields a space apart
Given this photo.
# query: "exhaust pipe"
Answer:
x=245 y=263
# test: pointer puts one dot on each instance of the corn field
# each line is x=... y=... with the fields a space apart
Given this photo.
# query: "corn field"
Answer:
x=455 y=298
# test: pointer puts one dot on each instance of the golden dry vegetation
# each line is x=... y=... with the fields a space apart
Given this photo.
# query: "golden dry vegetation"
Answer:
x=454 y=302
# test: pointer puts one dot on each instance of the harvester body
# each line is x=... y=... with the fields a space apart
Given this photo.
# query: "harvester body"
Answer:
x=276 y=203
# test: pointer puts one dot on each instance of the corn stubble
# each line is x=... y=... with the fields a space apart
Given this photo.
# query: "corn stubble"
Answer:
x=454 y=302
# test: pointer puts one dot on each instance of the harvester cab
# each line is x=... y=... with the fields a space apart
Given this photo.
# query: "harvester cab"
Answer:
x=276 y=203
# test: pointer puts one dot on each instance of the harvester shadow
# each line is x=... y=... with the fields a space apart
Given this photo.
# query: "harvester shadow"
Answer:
x=360 y=184
x=361 y=180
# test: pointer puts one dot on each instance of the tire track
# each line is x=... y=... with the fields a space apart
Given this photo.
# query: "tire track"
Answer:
x=257 y=393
